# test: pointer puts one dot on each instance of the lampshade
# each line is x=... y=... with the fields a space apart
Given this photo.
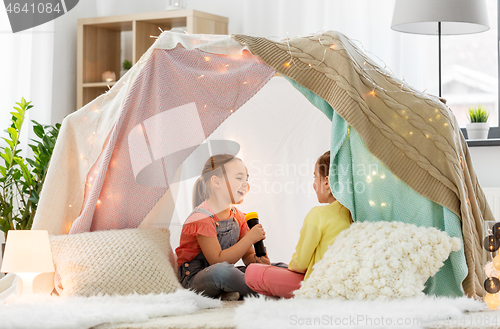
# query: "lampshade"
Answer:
x=456 y=16
x=27 y=251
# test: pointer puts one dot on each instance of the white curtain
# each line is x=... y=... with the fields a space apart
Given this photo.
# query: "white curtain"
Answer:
x=27 y=66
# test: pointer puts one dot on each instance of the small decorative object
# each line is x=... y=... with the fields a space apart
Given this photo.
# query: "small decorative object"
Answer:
x=492 y=301
x=176 y=4
x=126 y=65
x=478 y=127
x=27 y=253
x=490 y=270
x=492 y=285
x=108 y=76
x=491 y=243
x=496 y=262
x=491 y=264
x=496 y=230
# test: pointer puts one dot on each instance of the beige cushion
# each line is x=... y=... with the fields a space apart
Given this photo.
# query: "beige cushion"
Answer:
x=380 y=260
x=114 y=262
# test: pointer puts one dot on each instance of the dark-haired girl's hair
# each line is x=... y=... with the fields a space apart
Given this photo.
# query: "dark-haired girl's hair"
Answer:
x=212 y=167
x=324 y=164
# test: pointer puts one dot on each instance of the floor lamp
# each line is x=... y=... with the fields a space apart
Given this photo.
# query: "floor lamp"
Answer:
x=441 y=17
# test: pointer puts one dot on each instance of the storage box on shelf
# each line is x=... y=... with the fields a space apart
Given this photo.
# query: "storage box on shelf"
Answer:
x=99 y=42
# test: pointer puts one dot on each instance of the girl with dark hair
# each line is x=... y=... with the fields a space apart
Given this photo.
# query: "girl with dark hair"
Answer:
x=215 y=235
x=321 y=226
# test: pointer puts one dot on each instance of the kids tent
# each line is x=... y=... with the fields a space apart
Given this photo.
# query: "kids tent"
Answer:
x=128 y=158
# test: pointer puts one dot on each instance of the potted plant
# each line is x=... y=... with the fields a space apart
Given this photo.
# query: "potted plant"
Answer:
x=21 y=179
x=126 y=65
x=478 y=127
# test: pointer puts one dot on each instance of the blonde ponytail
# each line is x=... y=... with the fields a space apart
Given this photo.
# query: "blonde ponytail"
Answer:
x=198 y=192
x=201 y=190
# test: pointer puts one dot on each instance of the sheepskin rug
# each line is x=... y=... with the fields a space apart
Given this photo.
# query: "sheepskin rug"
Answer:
x=379 y=260
x=419 y=312
x=44 y=312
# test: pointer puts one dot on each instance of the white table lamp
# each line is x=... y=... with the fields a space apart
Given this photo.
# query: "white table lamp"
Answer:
x=440 y=17
x=27 y=254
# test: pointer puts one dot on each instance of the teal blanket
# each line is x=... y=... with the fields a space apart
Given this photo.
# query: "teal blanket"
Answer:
x=371 y=192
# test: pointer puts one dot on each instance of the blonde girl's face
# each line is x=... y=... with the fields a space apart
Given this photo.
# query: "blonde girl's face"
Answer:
x=321 y=186
x=237 y=177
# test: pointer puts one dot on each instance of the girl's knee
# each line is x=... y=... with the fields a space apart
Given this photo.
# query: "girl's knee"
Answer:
x=224 y=271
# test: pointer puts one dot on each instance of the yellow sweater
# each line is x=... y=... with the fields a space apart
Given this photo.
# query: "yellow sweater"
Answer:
x=321 y=226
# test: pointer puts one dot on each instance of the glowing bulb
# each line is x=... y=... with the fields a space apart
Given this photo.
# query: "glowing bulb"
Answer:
x=430 y=119
x=99 y=201
x=70 y=205
x=446 y=125
x=383 y=204
x=490 y=243
x=205 y=106
x=368 y=179
x=245 y=83
x=201 y=76
x=411 y=132
x=436 y=110
x=287 y=64
x=310 y=65
x=382 y=176
x=374 y=173
x=496 y=262
x=332 y=46
x=231 y=111
x=492 y=301
x=492 y=285
x=372 y=92
x=207 y=59
x=371 y=203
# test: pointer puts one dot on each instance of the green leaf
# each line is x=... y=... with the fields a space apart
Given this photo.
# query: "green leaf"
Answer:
x=38 y=130
x=16 y=115
x=48 y=143
x=11 y=144
x=3 y=171
x=13 y=134
x=26 y=173
x=8 y=156
x=34 y=197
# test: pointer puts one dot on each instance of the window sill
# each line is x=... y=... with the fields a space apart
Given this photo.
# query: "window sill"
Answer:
x=483 y=142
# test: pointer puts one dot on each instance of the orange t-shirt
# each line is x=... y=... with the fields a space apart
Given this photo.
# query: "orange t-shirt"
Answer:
x=201 y=224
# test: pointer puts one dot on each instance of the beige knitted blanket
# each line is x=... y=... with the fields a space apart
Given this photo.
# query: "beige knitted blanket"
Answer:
x=414 y=134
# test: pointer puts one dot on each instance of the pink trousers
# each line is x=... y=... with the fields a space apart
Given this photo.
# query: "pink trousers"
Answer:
x=272 y=281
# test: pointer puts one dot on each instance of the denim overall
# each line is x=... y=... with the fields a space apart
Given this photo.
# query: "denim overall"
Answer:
x=213 y=280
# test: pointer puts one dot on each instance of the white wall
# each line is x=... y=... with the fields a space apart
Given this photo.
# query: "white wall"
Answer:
x=486 y=162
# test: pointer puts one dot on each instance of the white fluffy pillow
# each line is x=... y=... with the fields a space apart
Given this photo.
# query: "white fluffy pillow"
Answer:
x=117 y=262
x=379 y=260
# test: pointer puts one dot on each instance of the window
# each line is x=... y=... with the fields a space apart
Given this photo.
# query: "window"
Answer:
x=470 y=71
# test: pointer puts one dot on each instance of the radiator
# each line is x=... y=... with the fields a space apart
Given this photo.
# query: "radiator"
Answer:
x=493 y=198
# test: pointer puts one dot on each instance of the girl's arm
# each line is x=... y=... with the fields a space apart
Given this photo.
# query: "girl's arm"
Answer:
x=310 y=235
x=211 y=248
